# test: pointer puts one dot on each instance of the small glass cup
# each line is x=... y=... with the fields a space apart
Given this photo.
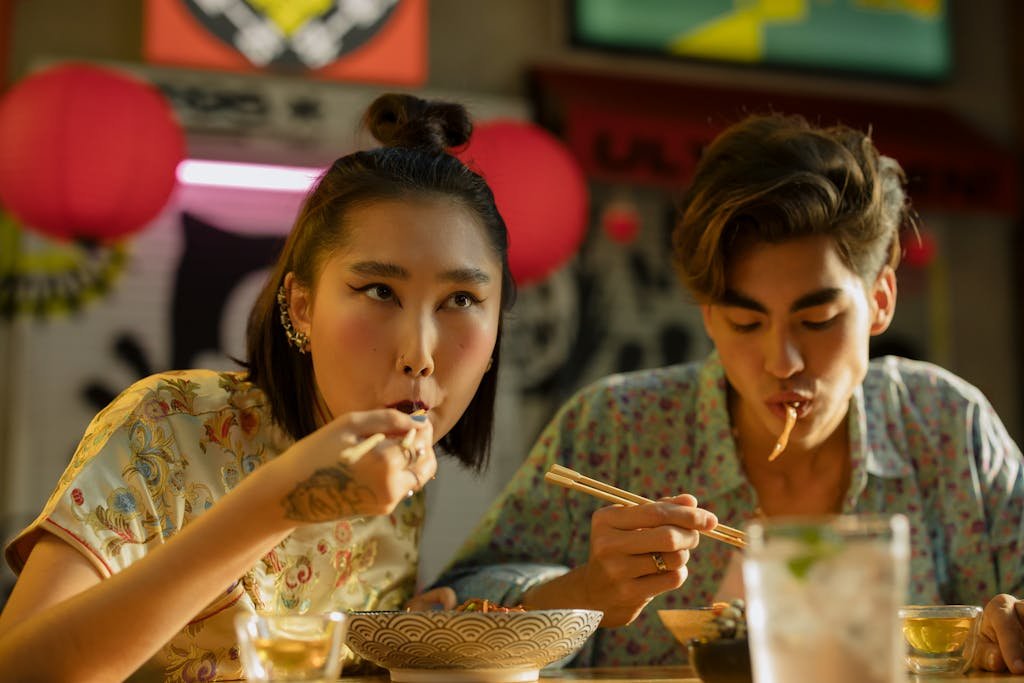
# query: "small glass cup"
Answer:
x=940 y=638
x=291 y=647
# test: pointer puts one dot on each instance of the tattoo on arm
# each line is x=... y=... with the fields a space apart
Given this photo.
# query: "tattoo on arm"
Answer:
x=329 y=493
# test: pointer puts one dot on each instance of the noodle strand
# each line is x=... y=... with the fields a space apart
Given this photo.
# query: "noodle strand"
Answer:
x=783 y=441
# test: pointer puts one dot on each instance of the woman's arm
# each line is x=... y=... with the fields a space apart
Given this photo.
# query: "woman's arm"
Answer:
x=63 y=623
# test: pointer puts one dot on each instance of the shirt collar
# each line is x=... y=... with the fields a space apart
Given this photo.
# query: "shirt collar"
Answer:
x=718 y=465
x=870 y=443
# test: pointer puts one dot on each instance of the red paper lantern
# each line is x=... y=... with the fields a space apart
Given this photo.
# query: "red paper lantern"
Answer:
x=621 y=221
x=86 y=152
x=920 y=249
x=539 y=189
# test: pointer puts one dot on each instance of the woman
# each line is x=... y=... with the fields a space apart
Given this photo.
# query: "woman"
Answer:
x=788 y=239
x=294 y=485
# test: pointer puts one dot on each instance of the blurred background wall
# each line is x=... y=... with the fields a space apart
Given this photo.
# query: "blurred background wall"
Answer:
x=613 y=306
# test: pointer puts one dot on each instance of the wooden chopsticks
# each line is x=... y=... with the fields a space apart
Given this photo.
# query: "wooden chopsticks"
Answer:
x=571 y=479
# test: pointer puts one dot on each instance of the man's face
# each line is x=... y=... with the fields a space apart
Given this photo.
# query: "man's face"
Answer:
x=793 y=328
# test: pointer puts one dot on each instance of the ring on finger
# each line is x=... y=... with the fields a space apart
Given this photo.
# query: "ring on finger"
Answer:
x=659 y=563
x=419 y=484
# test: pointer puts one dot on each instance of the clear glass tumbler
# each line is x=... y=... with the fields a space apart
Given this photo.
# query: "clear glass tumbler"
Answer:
x=823 y=598
x=940 y=638
x=291 y=647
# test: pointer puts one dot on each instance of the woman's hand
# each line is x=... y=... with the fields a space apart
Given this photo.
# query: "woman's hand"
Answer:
x=1001 y=641
x=442 y=598
x=636 y=553
x=335 y=472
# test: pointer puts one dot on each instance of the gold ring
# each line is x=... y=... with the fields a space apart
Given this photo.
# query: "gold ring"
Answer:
x=659 y=562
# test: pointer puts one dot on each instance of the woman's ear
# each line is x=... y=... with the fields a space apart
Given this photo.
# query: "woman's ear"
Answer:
x=300 y=304
x=883 y=300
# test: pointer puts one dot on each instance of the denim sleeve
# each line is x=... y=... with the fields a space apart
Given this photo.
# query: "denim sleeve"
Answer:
x=504 y=584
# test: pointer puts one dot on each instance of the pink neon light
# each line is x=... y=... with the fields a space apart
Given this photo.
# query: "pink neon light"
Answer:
x=247 y=176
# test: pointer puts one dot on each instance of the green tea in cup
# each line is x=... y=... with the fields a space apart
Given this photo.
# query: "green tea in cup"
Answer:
x=940 y=639
x=291 y=647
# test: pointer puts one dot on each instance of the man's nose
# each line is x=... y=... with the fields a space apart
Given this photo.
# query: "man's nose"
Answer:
x=783 y=357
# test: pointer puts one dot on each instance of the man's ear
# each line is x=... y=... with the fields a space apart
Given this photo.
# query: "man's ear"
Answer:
x=883 y=301
x=705 y=314
x=300 y=304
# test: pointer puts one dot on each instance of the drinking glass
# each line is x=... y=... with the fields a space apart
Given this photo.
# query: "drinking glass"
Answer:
x=940 y=639
x=823 y=598
x=291 y=647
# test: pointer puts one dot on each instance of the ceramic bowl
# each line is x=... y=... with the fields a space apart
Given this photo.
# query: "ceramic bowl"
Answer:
x=491 y=647
x=721 y=661
x=686 y=624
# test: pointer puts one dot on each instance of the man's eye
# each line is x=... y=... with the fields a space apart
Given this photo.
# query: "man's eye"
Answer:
x=820 y=324
x=744 y=327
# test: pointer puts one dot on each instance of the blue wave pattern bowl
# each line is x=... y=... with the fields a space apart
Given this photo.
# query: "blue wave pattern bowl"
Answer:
x=452 y=646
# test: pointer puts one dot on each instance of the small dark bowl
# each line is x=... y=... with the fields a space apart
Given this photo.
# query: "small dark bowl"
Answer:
x=721 y=661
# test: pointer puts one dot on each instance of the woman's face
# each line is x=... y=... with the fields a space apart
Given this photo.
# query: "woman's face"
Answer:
x=794 y=327
x=405 y=314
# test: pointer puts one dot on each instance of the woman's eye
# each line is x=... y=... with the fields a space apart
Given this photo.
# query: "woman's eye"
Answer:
x=377 y=292
x=462 y=300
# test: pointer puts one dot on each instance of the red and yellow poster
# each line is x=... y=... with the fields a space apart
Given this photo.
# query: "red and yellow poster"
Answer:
x=379 y=41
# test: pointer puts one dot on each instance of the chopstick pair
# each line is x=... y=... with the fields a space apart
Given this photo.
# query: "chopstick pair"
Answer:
x=571 y=479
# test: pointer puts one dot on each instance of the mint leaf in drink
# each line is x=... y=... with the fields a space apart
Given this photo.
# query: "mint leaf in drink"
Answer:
x=800 y=565
x=818 y=546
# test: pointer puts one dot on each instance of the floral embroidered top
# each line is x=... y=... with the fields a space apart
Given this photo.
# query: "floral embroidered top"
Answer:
x=165 y=451
x=923 y=443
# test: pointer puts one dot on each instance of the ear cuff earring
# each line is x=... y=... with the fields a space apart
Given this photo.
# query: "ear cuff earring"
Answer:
x=300 y=340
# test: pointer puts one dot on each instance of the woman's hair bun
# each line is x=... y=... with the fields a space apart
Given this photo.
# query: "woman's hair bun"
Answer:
x=399 y=120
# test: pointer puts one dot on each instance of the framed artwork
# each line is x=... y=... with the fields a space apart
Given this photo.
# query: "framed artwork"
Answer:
x=902 y=39
x=377 y=42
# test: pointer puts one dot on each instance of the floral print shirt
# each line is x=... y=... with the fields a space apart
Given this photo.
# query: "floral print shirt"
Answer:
x=923 y=443
x=164 y=452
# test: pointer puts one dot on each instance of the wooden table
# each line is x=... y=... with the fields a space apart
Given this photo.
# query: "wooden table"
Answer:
x=684 y=674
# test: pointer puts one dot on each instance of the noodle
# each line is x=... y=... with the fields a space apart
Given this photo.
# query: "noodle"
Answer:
x=780 y=445
x=483 y=605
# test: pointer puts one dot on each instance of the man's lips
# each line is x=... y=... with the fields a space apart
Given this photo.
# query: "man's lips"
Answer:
x=779 y=406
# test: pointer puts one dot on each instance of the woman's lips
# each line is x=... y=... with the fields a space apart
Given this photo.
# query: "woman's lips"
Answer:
x=409 y=407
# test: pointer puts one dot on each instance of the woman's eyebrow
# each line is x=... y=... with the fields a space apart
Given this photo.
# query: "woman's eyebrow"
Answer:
x=391 y=270
x=379 y=269
x=466 y=275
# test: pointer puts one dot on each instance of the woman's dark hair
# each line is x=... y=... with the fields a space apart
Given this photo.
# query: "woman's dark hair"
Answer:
x=412 y=162
x=773 y=178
